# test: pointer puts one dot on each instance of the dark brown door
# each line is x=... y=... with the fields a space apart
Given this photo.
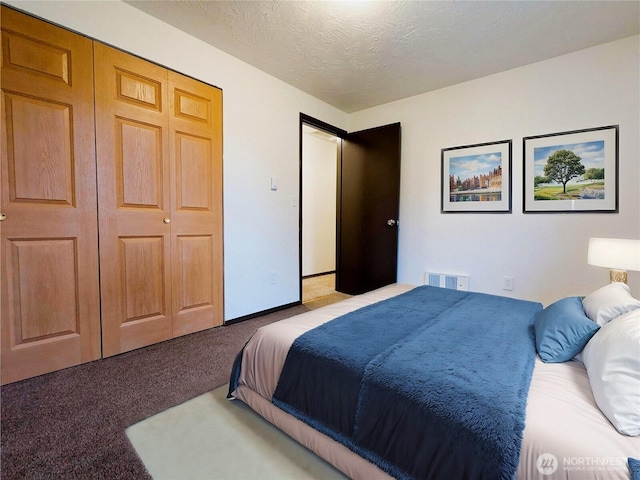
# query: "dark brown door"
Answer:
x=369 y=186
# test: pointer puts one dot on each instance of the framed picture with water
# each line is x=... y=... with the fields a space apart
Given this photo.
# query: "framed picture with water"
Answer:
x=571 y=172
x=477 y=178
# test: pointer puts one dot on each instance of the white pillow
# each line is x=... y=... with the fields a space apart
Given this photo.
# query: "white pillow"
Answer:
x=612 y=359
x=608 y=302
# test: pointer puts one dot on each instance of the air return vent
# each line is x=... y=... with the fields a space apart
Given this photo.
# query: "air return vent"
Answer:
x=446 y=280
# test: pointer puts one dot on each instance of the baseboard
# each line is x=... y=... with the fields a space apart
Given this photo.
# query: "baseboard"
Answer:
x=318 y=274
x=263 y=312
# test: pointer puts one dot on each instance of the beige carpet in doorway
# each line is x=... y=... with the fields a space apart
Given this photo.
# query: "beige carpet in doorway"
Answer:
x=316 y=287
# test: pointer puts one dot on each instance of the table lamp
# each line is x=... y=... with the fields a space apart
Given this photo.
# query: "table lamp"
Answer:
x=618 y=254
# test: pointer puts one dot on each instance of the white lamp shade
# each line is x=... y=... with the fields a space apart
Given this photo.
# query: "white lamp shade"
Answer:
x=621 y=254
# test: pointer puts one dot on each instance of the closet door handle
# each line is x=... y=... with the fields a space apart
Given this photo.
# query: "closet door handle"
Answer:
x=3 y=216
x=166 y=220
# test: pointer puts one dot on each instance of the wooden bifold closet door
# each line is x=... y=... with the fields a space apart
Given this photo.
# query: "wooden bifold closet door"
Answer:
x=50 y=295
x=111 y=201
x=159 y=152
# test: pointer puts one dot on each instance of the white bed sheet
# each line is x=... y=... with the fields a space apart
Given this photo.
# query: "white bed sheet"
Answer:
x=566 y=436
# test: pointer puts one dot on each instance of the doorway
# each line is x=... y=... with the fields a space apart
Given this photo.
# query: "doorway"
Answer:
x=367 y=198
x=319 y=170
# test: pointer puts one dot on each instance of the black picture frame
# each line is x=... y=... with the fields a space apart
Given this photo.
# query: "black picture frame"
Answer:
x=476 y=178
x=571 y=172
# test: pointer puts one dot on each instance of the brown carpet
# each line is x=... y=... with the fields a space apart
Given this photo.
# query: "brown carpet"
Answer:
x=70 y=424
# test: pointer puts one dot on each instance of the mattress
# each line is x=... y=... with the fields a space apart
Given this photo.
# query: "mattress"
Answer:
x=566 y=436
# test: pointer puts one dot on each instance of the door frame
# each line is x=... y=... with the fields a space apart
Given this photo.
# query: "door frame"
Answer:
x=338 y=132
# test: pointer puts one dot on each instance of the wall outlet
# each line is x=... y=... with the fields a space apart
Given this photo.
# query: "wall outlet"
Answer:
x=273 y=278
x=507 y=283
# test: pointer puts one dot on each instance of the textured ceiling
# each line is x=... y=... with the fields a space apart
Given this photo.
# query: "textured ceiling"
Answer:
x=359 y=54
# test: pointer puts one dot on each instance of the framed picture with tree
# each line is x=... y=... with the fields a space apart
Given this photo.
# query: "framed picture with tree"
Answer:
x=575 y=171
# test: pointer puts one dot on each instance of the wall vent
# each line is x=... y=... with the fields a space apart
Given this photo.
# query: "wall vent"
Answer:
x=446 y=280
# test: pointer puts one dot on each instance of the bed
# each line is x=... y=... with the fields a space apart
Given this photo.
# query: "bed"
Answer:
x=542 y=420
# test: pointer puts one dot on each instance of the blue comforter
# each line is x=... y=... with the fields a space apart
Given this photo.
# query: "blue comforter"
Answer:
x=429 y=384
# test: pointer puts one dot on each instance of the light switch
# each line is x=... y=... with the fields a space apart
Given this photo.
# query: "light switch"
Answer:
x=274 y=183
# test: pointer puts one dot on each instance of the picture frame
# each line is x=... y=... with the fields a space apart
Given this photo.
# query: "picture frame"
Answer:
x=571 y=172
x=476 y=178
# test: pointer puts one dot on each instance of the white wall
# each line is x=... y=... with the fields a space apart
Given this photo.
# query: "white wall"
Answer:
x=261 y=125
x=546 y=254
x=319 y=176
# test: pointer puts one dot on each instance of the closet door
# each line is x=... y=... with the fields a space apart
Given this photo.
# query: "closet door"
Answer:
x=159 y=138
x=195 y=126
x=134 y=200
x=50 y=303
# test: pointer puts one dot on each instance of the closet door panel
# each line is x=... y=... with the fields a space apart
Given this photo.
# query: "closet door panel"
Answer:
x=138 y=164
x=194 y=161
x=49 y=274
x=195 y=125
x=134 y=200
x=194 y=296
x=142 y=260
x=40 y=160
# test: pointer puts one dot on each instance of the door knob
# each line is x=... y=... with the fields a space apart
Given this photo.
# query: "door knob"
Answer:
x=3 y=216
x=166 y=220
x=391 y=222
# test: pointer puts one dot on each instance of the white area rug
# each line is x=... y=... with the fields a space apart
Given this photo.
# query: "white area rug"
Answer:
x=210 y=437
